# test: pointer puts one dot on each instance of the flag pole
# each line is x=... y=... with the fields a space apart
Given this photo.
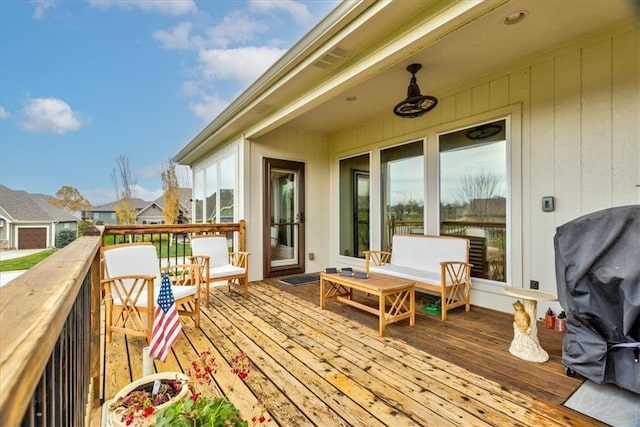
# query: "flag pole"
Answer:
x=147 y=362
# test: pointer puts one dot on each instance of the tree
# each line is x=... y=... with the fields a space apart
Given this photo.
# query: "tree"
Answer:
x=477 y=189
x=125 y=185
x=70 y=200
x=171 y=210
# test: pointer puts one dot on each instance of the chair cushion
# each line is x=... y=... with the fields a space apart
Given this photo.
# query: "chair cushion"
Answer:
x=225 y=270
x=431 y=277
x=215 y=247
x=178 y=293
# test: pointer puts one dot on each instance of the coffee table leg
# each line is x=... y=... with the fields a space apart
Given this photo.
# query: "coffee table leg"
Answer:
x=381 y=303
x=322 y=289
x=412 y=307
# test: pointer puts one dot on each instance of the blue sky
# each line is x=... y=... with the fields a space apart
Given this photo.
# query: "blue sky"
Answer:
x=83 y=82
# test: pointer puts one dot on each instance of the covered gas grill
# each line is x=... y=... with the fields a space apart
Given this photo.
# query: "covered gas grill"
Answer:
x=598 y=279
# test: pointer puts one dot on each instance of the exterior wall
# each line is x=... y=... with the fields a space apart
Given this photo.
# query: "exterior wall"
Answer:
x=301 y=146
x=575 y=136
x=105 y=217
x=152 y=215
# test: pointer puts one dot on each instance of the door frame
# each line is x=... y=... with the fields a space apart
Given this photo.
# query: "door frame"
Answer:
x=268 y=165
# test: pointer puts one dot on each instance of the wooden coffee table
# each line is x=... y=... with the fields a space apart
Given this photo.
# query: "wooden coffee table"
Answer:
x=396 y=297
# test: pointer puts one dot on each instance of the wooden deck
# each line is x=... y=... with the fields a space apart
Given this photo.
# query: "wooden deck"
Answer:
x=329 y=367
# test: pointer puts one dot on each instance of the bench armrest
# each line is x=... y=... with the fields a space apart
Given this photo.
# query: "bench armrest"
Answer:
x=376 y=257
x=455 y=272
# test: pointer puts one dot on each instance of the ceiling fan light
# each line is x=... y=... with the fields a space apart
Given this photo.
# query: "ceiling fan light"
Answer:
x=415 y=105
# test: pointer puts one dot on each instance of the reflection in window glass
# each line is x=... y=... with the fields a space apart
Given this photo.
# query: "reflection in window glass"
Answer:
x=354 y=196
x=402 y=185
x=473 y=194
x=211 y=186
x=198 y=194
x=227 y=185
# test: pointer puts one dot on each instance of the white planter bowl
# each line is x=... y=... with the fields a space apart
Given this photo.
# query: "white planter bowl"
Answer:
x=115 y=416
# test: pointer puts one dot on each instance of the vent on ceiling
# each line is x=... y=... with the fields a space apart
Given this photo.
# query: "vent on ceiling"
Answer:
x=331 y=59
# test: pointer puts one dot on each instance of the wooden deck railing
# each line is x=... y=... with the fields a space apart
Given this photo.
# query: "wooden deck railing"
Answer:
x=50 y=320
x=50 y=345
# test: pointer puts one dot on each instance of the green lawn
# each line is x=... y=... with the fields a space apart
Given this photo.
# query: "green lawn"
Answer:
x=25 y=262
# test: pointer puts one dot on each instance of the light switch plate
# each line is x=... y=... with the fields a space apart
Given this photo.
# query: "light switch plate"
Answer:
x=548 y=204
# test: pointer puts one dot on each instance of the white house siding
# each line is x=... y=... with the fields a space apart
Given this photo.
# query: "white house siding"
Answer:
x=300 y=146
x=579 y=136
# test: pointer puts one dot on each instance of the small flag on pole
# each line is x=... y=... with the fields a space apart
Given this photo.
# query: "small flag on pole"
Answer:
x=166 y=323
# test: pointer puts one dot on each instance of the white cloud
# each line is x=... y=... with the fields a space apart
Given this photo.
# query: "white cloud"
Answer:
x=208 y=107
x=179 y=37
x=50 y=115
x=167 y=7
x=297 y=10
x=4 y=113
x=147 y=194
x=245 y=64
x=41 y=7
x=236 y=27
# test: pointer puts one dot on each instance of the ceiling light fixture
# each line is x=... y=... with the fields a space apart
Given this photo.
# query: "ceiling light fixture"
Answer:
x=515 y=17
x=415 y=105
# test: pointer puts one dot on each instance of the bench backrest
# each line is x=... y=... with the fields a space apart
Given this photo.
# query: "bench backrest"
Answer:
x=427 y=252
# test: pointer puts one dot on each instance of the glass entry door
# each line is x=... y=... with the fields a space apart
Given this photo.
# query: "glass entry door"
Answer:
x=283 y=238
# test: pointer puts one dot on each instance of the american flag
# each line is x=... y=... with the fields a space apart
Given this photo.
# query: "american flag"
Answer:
x=166 y=323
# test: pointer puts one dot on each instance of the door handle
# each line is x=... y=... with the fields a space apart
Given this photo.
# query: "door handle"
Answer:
x=300 y=217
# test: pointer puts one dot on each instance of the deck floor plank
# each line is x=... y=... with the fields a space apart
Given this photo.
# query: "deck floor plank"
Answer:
x=330 y=367
x=438 y=371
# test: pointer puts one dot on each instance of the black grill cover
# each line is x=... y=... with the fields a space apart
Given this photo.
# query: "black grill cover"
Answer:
x=598 y=279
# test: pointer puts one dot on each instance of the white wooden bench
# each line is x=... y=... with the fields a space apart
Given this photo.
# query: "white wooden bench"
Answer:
x=436 y=263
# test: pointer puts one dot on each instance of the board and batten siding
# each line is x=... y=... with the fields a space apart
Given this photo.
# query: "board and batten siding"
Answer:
x=579 y=134
x=299 y=146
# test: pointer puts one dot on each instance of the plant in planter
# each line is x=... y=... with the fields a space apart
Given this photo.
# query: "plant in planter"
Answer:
x=204 y=408
x=137 y=403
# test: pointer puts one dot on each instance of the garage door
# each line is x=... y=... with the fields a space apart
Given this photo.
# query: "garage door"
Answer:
x=32 y=238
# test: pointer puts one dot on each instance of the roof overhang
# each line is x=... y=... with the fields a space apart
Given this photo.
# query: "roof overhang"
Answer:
x=361 y=50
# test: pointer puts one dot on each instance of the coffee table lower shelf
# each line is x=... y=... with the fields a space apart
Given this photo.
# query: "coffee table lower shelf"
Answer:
x=396 y=297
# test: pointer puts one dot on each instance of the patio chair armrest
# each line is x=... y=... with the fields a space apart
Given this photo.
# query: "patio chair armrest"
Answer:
x=456 y=271
x=184 y=274
x=117 y=284
x=239 y=258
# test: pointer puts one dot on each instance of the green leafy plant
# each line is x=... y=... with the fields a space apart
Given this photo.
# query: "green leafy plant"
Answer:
x=208 y=410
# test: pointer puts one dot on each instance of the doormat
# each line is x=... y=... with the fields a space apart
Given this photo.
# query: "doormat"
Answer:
x=303 y=279
x=607 y=403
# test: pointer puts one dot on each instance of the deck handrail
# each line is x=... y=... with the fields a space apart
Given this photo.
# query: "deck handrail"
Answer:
x=34 y=312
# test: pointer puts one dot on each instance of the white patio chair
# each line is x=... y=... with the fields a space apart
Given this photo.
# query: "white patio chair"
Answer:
x=219 y=264
x=132 y=279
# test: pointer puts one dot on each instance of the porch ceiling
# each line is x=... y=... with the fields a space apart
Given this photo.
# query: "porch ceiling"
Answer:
x=362 y=52
x=481 y=48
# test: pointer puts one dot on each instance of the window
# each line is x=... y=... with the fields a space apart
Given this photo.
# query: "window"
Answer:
x=354 y=206
x=473 y=194
x=214 y=191
x=402 y=191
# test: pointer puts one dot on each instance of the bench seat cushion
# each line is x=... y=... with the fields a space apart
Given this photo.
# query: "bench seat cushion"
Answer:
x=430 y=277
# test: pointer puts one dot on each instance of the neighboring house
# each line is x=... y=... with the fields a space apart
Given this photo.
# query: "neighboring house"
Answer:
x=152 y=213
x=28 y=221
x=106 y=214
x=545 y=95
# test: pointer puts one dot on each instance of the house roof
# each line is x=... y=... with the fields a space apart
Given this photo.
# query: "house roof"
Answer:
x=22 y=206
x=137 y=204
x=361 y=51
x=184 y=198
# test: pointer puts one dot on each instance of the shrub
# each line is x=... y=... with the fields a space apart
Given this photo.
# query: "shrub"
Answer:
x=64 y=237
